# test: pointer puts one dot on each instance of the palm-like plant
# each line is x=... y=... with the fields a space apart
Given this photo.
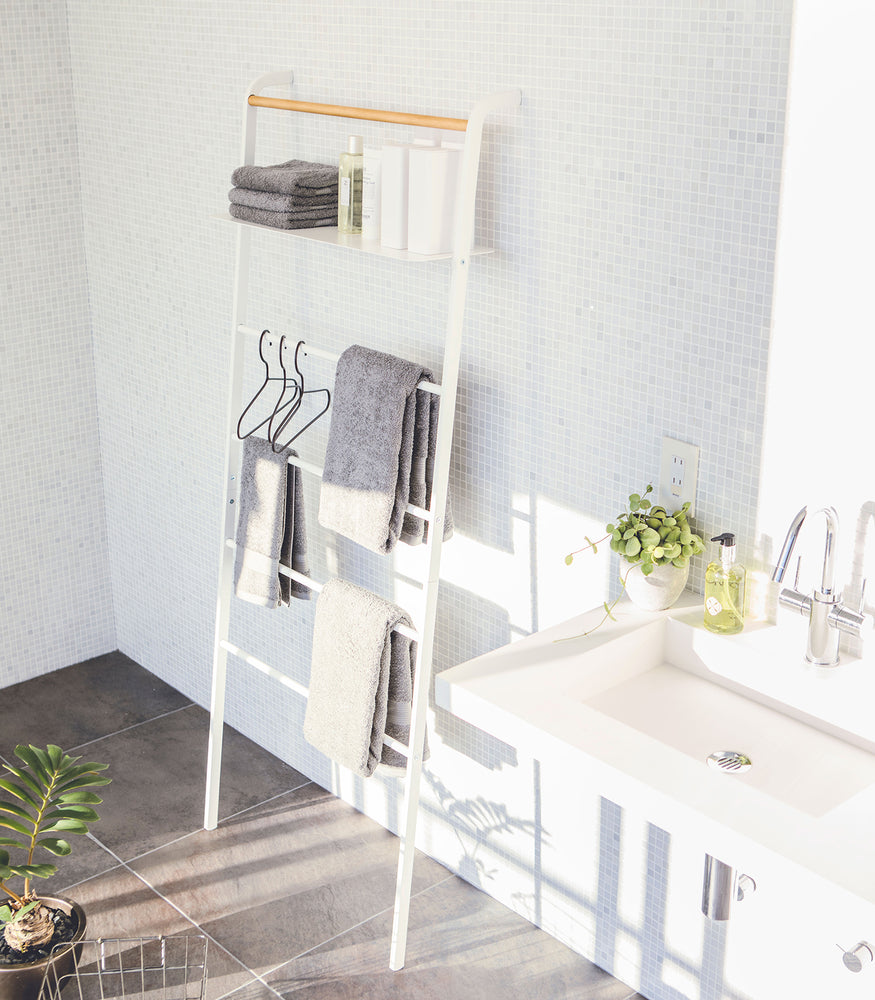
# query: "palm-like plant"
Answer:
x=52 y=800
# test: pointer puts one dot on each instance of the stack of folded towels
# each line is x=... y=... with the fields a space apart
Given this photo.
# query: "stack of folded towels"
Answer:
x=292 y=195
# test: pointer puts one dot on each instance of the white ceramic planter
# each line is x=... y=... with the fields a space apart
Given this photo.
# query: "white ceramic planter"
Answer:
x=660 y=589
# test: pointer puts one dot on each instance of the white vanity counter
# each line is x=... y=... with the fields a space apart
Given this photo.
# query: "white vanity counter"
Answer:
x=634 y=710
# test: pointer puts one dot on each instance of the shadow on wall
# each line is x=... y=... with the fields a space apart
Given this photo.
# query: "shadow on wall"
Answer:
x=481 y=489
x=474 y=822
x=492 y=630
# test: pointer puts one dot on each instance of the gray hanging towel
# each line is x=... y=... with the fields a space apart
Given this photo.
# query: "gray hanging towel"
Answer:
x=271 y=530
x=380 y=452
x=361 y=679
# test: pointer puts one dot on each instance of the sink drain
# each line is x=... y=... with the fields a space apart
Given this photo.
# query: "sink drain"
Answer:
x=729 y=760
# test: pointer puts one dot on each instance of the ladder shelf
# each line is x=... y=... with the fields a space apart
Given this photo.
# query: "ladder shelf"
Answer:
x=240 y=332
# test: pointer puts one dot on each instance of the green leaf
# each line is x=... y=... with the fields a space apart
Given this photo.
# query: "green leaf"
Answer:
x=12 y=824
x=649 y=537
x=608 y=612
x=658 y=552
x=680 y=562
x=80 y=795
x=621 y=547
x=633 y=546
x=54 y=845
x=644 y=504
x=83 y=782
x=14 y=810
x=647 y=568
x=23 y=776
x=67 y=825
x=84 y=813
x=34 y=758
x=569 y=559
x=5 y=911
x=56 y=755
x=24 y=910
x=35 y=871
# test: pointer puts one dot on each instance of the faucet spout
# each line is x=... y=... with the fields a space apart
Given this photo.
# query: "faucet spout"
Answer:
x=788 y=546
x=823 y=609
x=828 y=577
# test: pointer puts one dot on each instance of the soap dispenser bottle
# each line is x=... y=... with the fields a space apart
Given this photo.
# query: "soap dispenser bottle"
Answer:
x=724 y=590
x=349 y=193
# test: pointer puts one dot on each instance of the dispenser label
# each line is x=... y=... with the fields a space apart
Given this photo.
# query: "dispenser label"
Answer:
x=713 y=606
x=345 y=187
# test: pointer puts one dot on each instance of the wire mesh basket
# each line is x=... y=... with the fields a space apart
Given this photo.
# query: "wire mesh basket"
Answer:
x=146 y=968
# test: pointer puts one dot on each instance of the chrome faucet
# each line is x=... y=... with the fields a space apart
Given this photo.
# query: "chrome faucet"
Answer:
x=827 y=617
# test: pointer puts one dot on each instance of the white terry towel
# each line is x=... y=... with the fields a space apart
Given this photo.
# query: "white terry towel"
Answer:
x=380 y=452
x=270 y=527
x=361 y=678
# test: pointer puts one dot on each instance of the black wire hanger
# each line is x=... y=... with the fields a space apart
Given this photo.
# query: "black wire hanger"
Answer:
x=274 y=371
x=296 y=405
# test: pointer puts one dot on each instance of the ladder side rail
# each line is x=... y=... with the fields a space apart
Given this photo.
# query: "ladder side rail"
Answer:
x=463 y=239
x=231 y=470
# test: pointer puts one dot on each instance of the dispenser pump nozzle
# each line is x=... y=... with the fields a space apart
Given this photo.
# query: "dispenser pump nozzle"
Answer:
x=727 y=548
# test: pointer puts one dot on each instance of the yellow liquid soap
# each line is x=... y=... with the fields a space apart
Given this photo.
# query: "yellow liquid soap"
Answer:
x=724 y=590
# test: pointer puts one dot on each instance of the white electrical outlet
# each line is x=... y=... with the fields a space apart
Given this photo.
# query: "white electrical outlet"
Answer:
x=678 y=469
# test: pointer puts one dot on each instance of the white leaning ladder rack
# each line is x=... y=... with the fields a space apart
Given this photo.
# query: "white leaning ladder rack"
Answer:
x=462 y=251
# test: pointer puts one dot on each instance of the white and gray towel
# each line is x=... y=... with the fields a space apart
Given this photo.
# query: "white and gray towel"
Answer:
x=271 y=530
x=380 y=452
x=361 y=679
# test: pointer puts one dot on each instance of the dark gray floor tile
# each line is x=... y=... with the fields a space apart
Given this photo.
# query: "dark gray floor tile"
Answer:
x=81 y=703
x=119 y=905
x=283 y=877
x=462 y=945
x=159 y=771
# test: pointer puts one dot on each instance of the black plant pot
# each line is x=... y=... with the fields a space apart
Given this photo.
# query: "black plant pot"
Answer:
x=23 y=982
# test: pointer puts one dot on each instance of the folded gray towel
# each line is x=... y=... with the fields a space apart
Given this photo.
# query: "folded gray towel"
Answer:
x=291 y=177
x=325 y=199
x=380 y=452
x=361 y=679
x=285 y=220
x=270 y=526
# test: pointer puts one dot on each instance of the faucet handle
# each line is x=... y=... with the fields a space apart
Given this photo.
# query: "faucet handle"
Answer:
x=798 y=567
x=862 y=596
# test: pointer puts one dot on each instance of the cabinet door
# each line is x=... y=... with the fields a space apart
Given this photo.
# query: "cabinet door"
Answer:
x=783 y=941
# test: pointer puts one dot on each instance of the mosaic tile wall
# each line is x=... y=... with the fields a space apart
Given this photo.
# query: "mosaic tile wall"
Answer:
x=632 y=200
x=56 y=605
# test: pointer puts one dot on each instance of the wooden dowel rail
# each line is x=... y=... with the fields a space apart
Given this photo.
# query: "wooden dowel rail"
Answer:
x=363 y=114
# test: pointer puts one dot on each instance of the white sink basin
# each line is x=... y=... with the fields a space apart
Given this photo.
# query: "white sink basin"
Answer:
x=636 y=708
x=655 y=681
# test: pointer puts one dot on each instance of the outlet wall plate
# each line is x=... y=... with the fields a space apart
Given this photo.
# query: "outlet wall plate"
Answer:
x=678 y=470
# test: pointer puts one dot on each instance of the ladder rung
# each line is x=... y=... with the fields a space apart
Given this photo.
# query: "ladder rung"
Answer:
x=293 y=574
x=318 y=352
x=265 y=668
x=287 y=681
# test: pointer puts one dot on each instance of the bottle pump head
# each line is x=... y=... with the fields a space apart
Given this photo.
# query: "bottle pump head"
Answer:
x=727 y=547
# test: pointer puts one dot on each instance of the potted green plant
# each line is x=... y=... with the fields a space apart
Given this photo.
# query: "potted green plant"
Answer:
x=655 y=547
x=45 y=799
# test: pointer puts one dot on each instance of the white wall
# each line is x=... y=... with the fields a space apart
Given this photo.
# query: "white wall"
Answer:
x=815 y=445
x=56 y=604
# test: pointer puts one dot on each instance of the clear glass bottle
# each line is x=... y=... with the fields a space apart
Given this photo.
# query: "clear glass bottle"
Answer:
x=724 y=590
x=349 y=192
